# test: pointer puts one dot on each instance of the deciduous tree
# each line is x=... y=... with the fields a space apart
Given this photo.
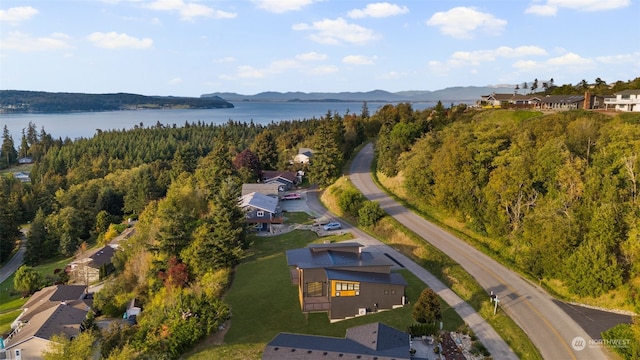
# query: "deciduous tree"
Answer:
x=27 y=280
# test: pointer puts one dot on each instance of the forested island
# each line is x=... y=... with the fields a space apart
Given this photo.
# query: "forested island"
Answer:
x=553 y=195
x=18 y=101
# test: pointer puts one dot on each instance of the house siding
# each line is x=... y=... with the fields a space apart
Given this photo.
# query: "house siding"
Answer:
x=385 y=295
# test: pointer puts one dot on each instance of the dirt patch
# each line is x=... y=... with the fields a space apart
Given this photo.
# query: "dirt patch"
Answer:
x=215 y=339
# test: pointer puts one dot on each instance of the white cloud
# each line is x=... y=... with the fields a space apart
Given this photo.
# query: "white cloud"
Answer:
x=551 y=6
x=462 y=58
x=476 y=58
x=324 y=70
x=570 y=59
x=543 y=10
x=337 y=31
x=249 y=72
x=189 y=10
x=391 y=75
x=528 y=65
x=223 y=60
x=15 y=15
x=24 y=42
x=378 y=10
x=175 y=81
x=113 y=40
x=358 y=60
x=620 y=59
x=465 y=22
x=566 y=63
x=281 y=6
x=311 y=56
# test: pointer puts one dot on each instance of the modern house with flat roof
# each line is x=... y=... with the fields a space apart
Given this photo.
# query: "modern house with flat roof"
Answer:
x=344 y=281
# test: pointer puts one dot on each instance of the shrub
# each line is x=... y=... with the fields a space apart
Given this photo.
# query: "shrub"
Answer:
x=370 y=213
x=350 y=201
x=422 y=329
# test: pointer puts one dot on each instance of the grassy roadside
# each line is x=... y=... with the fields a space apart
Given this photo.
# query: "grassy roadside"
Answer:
x=616 y=299
x=264 y=302
x=452 y=274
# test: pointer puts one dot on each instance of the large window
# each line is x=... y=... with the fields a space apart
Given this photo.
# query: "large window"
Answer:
x=341 y=288
x=314 y=289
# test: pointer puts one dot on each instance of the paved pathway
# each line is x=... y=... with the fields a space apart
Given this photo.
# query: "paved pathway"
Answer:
x=552 y=331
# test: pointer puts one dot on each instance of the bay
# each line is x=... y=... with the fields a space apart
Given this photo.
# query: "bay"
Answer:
x=76 y=125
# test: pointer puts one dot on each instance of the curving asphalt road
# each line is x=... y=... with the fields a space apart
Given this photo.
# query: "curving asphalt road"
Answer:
x=554 y=333
x=16 y=261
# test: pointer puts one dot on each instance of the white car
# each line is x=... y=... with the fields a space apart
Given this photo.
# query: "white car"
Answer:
x=332 y=226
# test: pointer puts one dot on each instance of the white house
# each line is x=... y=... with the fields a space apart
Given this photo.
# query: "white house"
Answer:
x=303 y=156
x=626 y=100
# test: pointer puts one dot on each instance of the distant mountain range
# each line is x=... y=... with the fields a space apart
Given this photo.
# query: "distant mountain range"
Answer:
x=460 y=94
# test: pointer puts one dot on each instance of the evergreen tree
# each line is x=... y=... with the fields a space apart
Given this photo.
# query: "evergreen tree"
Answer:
x=9 y=219
x=36 y=248
x=24 y=146
x=266 y=149
x=8 y=152
x=215 y=167
x=67 y=227
x=327 y=160
x=364 y=113
x=427 y=308
x=220 y=240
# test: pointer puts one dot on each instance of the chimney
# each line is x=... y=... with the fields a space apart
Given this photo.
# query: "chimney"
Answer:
x=587 y=100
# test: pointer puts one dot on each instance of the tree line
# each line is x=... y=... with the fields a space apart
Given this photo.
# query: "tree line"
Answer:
x=557 y=194
x=40 y=101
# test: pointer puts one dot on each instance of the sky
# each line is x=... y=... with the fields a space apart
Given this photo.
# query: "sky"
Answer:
x=195 y=47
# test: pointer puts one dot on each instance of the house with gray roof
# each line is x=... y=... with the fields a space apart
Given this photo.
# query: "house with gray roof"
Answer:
x=344 y=281
x=86 y=269
x=286 y=179
x=370 y=341
x=562 y=102
x=303 y=156
x=58 y=309
x=261 y=210
x=271 y=189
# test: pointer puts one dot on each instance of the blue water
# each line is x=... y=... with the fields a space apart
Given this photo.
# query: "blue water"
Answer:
x=85 y=124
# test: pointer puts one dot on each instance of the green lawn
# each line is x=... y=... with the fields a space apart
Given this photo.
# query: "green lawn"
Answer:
x=264 y=302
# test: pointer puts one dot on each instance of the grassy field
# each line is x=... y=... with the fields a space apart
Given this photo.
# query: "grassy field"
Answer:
x=264 y=302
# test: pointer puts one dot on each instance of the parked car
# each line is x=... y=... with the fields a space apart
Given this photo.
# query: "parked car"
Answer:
x=292 y=196
x=332 y=226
